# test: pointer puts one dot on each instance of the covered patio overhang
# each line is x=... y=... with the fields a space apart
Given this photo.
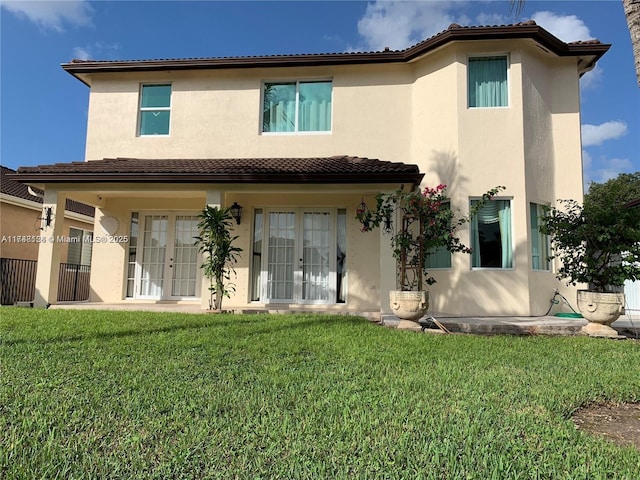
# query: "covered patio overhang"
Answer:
x=111 y=185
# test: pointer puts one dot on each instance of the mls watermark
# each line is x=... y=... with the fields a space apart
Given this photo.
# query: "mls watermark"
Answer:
x=64 y=239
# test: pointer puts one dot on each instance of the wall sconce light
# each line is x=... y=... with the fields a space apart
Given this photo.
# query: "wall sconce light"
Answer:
x=236 y=212
x=48 y=216
x=362 y=208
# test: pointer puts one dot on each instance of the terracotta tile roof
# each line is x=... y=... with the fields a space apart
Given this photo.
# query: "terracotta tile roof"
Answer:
x=593 y=49
x=10 y=187
x=337 y=169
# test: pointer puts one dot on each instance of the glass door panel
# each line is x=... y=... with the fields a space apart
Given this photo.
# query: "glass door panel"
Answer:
x=184 y=263
x=299 y=265
x=316 y=255
x=153 y=255
x=166 y=259
x=281 y=255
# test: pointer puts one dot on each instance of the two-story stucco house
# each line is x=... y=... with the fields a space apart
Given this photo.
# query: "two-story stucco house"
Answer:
x=299 y=141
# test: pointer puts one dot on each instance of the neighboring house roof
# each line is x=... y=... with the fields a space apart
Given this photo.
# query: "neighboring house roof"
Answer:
x=10 y=187
x=633 y=203
x=592 y=50
x=337 y=169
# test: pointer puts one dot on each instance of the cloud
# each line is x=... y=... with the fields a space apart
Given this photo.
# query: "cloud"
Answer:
x=592 y=79
x=81 y=53
x=398 y=24
x=52 y=14
x=492 y=19
x=596 y=134
x=96 y=50
x=567 y=28
x=607 y=169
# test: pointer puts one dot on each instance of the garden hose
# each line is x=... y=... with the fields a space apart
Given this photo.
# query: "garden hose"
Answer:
x=553 y=302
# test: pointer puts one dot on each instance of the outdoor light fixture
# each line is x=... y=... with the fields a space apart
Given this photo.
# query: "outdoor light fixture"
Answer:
x=362 y=208
x=361 y=213
x=48 y=215
x=236 y=212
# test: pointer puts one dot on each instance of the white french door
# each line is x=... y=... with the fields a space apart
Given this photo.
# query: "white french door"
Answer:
x=167 y=264
x=300 y=261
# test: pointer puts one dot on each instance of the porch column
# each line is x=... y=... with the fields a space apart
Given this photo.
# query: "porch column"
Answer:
x=387 y=273
x=214 y=199
x=49 y=251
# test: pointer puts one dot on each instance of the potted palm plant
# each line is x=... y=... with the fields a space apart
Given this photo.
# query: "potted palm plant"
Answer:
x=598 y=244
x=426 y=223
x=220 y=255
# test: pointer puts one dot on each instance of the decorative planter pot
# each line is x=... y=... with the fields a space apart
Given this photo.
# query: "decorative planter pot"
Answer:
x=409 y=307
x=600 y=310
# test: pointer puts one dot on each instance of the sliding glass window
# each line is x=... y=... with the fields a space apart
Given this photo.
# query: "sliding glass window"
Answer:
x=297 y=106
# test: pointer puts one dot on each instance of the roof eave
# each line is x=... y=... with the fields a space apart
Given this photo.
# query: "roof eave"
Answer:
x=80 y=69
x=255 y=178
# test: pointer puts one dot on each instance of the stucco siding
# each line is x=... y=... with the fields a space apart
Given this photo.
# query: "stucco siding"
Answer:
x=20 y=222
x=413 y=112
x=16 y=221
x=214 y=116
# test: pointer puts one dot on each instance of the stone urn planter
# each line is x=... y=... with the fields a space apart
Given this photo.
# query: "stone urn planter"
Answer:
x=409 y=307
x=419 y=222
x=600 y=310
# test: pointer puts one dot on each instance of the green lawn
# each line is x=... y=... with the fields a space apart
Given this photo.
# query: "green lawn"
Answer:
x=87 y=394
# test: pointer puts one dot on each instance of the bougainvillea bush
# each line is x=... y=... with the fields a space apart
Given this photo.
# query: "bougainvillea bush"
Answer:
x=426 y=222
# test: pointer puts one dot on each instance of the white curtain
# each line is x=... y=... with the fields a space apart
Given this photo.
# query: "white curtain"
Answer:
x=495 y=211
x=504 y=213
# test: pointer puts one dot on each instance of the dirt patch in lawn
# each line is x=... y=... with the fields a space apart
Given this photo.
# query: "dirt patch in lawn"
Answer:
x=617 y=423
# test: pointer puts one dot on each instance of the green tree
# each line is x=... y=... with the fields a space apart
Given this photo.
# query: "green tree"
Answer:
x=617 y=191
x=220 y=256
x=598 y=242
x=426 y=223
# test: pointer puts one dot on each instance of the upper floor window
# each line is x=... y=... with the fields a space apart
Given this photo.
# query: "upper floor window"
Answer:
x=155 y=109
x=297 y=106
x=487 y=81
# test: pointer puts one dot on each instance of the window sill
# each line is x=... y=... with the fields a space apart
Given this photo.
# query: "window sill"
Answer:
x=505 y=107
x=281 y=134
x=492 y=269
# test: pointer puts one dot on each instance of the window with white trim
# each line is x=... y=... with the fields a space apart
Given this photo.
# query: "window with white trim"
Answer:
x=155 y=110
x=297 y=106
x=133 y=252
x=491 y=236
x=80 y=246
x=539 y=241
x=487 y=81
x=439 y=257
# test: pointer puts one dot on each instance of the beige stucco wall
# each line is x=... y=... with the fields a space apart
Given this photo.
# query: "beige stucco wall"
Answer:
x=23 y=221
x=412 y=112
x=19 y=221
x=217 y=116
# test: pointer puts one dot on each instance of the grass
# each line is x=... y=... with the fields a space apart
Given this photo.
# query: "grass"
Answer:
x=129 y=395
